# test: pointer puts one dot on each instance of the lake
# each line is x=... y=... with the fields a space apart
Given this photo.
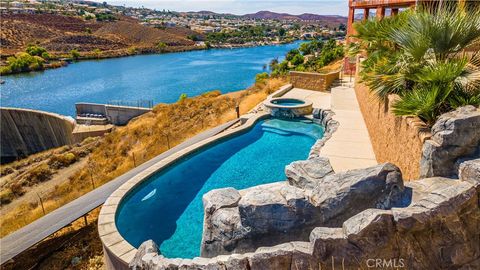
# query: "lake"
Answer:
x=161 y=78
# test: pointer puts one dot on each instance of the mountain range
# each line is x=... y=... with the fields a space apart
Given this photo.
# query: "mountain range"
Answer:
x=269 y=15
x=302 y=17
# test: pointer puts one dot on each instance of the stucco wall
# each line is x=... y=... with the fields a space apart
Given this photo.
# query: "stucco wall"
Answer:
x=313 y=81
x=398 y=140
x=24 y=132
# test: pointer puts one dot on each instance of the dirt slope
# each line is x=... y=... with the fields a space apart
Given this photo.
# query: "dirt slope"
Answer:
x=60 y=34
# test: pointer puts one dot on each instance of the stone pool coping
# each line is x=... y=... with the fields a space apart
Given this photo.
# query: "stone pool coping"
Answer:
x=115 y=246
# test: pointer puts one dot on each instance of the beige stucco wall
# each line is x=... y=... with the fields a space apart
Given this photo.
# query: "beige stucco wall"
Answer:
x=398 y=140
x=313 y=81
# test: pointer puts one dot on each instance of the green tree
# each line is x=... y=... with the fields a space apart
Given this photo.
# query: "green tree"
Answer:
x=22 y=62
x=291 y=54
x=297 y=60
x=419 y=55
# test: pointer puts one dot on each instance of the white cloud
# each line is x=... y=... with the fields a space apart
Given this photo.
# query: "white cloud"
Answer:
x=324 y=7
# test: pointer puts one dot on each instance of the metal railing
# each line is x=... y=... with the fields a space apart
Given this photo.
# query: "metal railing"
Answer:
x=132 y=103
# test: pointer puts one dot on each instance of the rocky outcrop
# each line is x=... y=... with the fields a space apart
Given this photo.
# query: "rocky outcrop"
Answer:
x=277 y=213
x=455 y=136
x=470 y=171
x=307 y=173
x=439 y=229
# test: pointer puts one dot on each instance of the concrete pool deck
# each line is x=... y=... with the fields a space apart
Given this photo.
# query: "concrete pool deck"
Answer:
x=350 y=146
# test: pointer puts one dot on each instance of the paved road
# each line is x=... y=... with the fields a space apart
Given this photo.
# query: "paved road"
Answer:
x=19 y=241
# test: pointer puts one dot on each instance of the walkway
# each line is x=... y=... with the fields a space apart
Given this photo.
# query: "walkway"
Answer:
x=350 y=146
x=24 y=238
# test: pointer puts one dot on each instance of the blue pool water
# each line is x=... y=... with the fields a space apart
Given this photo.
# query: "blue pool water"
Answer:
x=288 y=102
x=161 y=78
x=168 y=207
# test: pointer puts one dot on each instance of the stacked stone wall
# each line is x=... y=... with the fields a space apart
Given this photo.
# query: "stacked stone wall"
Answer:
x=313 y=81
x=398 y=140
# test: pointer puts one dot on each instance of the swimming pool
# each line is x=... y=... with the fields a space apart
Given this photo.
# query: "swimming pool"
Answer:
x=287 y=102
x=167 y=207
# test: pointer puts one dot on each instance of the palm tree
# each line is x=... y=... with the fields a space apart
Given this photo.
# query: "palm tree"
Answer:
x=426 y=58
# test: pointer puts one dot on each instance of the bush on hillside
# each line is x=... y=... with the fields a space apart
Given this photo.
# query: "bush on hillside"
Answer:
x=62 y=160
x=74 y=54
x=35 y=50
x=260 y=77
x=6 y=196
x=161 y=46
x=22 y=62
x=39 y=174
x=182 y=97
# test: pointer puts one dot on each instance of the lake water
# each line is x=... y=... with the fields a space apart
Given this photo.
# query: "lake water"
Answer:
x=161 y=78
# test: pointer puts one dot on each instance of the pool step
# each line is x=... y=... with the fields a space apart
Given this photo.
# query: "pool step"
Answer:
x=276 y=131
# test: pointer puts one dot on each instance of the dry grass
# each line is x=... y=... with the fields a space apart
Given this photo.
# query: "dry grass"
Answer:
x=331 y=67
x=142 y=139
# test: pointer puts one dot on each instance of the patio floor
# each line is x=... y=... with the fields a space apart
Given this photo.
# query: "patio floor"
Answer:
x=350 y=146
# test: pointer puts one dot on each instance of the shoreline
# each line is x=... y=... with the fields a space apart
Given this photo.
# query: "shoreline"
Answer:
x=62 y=61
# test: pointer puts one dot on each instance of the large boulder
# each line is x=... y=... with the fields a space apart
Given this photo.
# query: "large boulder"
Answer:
x=455 y=136
x=277 y=213
x=307 y=173
x=470 y=171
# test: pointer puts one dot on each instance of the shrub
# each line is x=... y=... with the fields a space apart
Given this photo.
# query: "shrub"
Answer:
x=97 y=52
x=297 y=60
x=23 y=62
x=260 y=77
x=6 y=171
x=46 y=56
x=291 y=54
x=74 y=54
x=5 y=70
x=132 y=50
x=182 y=97
x=35 y=50
x=39 y=174
x=6 y=196
x=105 y=17
x=62 y=160
x=17 y=189
x=210 y=94
x=161 y=46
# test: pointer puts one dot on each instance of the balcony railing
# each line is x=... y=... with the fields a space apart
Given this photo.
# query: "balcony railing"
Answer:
x=386 y=3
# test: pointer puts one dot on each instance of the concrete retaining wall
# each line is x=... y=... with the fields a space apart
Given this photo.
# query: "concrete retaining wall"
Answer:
x=313 y=81
x=25 y=132
x=117 y=115
x=398 y=140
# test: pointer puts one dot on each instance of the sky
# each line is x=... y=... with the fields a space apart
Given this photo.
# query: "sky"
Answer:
x=240 y=7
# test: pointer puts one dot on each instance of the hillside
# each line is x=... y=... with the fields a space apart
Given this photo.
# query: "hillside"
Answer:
x=268 y=15
x=60 y=34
